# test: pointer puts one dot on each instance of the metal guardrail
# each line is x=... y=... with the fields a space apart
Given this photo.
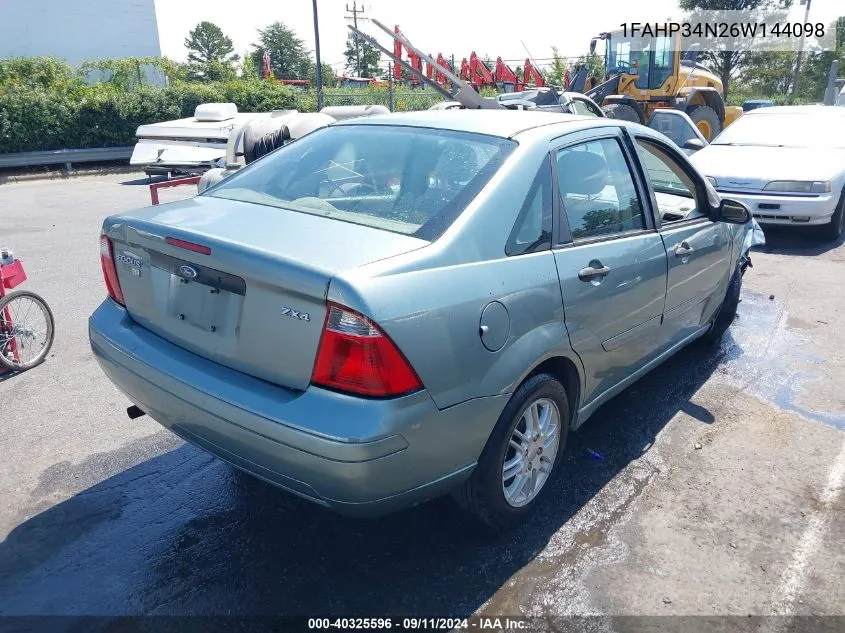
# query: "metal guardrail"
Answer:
x=65 y=156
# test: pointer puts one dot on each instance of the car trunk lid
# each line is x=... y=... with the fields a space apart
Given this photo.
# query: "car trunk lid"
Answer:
x=240 y=283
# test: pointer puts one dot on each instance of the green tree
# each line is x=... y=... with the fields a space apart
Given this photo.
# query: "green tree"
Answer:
x=329 y=75
x=767 y=73
x=728 y=63
x=32 y=73
x=554 y=74
x=288 y=55
x=248 y=70
x=815 y=70
x=210 y=53
x=839 y=41
x=360 y=50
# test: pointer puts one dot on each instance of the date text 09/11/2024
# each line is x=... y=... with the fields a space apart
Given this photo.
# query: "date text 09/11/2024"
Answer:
x=723 y=29
x=420 y=624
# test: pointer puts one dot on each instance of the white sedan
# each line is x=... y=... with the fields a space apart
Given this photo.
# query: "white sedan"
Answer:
x=787 y=164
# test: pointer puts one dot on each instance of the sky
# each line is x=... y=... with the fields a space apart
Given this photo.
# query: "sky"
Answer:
x=449 y=26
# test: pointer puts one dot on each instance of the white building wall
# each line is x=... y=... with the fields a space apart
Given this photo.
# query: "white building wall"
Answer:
x=76 y=30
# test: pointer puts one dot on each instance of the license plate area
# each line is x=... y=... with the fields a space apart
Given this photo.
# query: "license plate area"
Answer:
x=200 y=306
x=203 y=298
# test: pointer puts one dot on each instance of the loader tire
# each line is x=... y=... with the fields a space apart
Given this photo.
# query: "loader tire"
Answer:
x=706 y=120
x=622 y=112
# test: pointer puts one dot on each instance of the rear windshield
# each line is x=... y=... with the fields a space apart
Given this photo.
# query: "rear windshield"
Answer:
x=409 y=180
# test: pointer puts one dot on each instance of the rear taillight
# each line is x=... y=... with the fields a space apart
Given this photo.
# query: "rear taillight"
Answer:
x=356 y=357
x=109 y=270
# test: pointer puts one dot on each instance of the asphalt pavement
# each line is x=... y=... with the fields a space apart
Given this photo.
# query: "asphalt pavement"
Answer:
x=712 y=487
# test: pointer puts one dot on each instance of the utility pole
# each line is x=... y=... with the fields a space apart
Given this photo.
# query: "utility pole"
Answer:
x=800 y=52
x=355 y=11
x=318 y=71
x=390 y=99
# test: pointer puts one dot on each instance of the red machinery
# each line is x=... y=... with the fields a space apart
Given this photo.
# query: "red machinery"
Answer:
x=302 y=84
x=507 y=80
x=532 y=76
x=413 y=59
x=442 y=63
x=473 y=71
x=476 y=73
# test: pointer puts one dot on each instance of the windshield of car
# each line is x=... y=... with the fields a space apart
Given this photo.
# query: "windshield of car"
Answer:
x=409 y=180
x=813 y=130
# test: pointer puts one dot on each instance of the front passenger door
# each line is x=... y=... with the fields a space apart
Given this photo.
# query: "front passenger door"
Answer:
x=610 y=259
x=698 y=249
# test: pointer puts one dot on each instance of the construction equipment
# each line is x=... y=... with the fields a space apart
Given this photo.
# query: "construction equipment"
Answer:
x=643 y=74
x=464 y=90
x=455 y=90
x=476 y=72
x=507 y=80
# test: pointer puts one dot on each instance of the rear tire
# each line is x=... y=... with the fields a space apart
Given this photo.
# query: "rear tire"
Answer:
x=834 y=230
x=727 y=311
x=622 y=112
x=483 y=496
x=706 y=120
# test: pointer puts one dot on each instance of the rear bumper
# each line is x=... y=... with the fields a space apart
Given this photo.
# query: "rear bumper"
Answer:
x=392 y=453
x=792 y=210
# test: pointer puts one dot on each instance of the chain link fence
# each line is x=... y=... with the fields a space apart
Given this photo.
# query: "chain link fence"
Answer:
x=396 y=100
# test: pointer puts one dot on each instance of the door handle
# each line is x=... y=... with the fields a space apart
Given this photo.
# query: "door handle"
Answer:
x=684 y=250
x=595 y=269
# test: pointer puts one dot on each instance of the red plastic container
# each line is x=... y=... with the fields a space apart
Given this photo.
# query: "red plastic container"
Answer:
x=12 y=275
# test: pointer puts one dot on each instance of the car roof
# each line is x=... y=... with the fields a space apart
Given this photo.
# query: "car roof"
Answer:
x=803 y=109
x=502 y=123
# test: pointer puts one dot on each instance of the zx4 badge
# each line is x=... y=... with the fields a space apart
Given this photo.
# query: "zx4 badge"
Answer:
x=296 y=314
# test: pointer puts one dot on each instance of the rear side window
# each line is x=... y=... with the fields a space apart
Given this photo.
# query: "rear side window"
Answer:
x=532 y=231
x=597 y=190
x=409 y=180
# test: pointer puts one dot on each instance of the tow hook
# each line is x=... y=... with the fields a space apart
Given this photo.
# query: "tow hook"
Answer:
x=134 y=412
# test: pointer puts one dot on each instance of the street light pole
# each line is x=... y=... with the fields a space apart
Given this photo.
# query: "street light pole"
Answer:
x=319 y=70
x=800 y=51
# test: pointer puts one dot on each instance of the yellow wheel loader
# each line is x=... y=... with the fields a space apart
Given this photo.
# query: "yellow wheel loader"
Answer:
x=644 y=74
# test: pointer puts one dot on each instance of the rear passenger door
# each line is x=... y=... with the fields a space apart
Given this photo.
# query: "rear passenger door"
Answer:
x=610 y=259
x=698 y=249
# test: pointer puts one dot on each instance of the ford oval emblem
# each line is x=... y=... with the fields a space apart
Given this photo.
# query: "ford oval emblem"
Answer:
x=188 y=272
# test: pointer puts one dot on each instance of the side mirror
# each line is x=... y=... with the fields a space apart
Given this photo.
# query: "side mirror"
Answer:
x=733 y=212
x=593 y=45
x=694 y=144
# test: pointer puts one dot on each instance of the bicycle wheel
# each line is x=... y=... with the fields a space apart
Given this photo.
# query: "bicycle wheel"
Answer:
x=26 y=330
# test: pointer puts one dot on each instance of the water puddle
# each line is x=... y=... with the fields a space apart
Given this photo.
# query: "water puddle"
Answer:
x=766 y=357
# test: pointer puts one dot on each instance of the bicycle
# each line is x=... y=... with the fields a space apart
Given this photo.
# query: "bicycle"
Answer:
x=26 y=322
